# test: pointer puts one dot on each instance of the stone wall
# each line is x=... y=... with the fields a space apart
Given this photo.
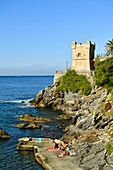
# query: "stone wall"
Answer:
x=57 y=75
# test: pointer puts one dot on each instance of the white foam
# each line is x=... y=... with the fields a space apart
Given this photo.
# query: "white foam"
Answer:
x=46 y=126
x=16 y=101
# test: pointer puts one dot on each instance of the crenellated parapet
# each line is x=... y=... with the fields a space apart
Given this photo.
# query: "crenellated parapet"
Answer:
x=83 y=56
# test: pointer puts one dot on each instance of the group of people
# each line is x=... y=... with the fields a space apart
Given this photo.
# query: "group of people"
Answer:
x=59 y=145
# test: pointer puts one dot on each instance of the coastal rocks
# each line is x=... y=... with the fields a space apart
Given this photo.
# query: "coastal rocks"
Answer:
x=4 y=135
x=30 y=126
x=91 y=127
x=89 y=151
x=29 y=118
x=32 y=122
x=92 y=155
x=68 y=102
x=63 y=117
x=85 y=123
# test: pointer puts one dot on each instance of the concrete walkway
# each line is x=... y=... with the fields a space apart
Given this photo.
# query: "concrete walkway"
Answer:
x=49 y=160
x=52 y=161
x=56 y=163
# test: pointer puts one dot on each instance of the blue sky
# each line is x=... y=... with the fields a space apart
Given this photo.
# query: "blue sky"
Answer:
x=36 y=35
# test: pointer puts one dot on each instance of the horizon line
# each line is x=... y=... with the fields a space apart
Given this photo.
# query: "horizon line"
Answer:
x=27 y=75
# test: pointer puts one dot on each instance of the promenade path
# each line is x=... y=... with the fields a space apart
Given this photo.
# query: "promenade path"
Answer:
x=49 y=160
x=52 y=160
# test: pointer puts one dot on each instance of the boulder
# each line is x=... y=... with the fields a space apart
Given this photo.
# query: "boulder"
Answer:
x=4 y=135
x=30 y=125
x=29 y=118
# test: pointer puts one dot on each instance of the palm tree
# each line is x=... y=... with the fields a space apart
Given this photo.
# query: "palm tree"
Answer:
x=109 y=47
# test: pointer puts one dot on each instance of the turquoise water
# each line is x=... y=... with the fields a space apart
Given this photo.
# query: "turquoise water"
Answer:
x=14 y=90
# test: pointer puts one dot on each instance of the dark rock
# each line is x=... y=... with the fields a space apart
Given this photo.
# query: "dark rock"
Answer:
x=59 y=126
x=75 y=118
x=32 y=102
x=23 y=102
x=39 y=96
x=97 y=118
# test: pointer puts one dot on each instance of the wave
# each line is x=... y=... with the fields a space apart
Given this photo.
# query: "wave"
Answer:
x=46 y=126
x=26 y=101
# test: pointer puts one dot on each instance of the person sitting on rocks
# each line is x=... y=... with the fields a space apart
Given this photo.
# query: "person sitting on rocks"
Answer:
x=63 y=149
x=56 y=145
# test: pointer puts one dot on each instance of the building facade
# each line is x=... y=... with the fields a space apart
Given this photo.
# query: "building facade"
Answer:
x=83 y=57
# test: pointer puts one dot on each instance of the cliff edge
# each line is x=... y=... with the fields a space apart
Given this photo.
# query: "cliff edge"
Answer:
x=90 y=135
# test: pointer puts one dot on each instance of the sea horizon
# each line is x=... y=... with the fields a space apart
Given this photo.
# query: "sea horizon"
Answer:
x=44 y=75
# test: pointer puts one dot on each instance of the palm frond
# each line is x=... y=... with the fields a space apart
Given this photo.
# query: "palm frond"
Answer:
x=109 y=47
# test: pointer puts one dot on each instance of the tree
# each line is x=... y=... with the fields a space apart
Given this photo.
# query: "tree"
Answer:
x=109 y=47
x=104 y=73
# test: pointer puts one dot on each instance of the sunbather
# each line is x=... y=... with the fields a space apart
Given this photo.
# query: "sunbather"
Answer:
x=63 y=150
x=54 y=146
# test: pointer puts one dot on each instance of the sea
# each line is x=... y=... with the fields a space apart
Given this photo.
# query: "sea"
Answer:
x=15 y=94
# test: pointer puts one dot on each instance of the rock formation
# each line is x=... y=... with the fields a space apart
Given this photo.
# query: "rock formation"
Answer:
x=4 y=135
x=29 y=118
x=32 y=122
x=30 y=125
x=91 y=131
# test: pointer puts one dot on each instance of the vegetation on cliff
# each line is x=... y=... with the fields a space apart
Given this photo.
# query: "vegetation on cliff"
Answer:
x=73 y=82
x=104 y=74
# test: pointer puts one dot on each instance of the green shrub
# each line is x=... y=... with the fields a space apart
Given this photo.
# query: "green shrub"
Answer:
x=102 y=106
x=73 y=82
x=110 y=113
x=109 y=148
x=104 y=74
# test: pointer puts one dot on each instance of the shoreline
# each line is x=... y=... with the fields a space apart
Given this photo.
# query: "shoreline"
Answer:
x=89 y=133
x=47 y=159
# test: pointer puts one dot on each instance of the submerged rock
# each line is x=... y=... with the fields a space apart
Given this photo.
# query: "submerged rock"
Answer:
x=4 y=135
x=29 y=118
x=30 y=125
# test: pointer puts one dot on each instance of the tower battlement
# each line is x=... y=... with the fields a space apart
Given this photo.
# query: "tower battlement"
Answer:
x=83 y=56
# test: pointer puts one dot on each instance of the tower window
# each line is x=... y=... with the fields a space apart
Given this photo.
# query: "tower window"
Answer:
x=79 y=54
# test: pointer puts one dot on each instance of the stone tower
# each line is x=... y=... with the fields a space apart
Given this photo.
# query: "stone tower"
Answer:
x=83 y=57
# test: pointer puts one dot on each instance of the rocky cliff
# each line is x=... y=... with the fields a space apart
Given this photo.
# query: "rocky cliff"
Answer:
x=90 y=134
